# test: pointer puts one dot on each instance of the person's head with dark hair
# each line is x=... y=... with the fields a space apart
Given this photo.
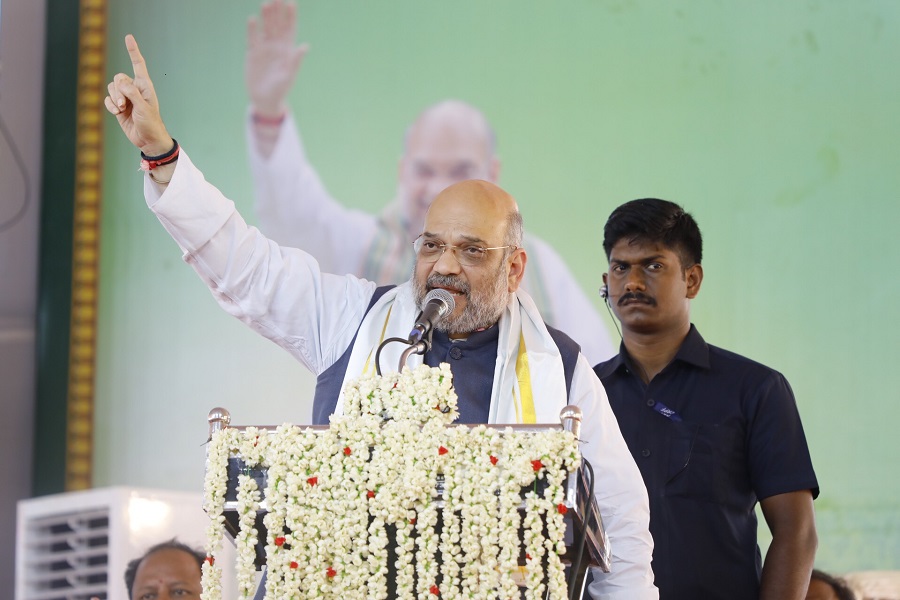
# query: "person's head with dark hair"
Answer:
x=168 y=569
x=657 y=221
x=823 y=586
x=654 y=250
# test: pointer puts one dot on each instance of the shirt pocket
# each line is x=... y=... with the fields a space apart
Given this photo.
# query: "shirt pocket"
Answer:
x=703 y=460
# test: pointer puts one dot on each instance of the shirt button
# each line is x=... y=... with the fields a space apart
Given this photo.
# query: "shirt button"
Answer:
x=645 y=452
x=651 y=402
x=455 y=353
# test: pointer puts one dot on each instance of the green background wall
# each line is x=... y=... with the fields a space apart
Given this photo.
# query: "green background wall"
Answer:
x=774 y=123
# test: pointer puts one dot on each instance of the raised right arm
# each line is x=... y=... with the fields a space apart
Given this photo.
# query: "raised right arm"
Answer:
x=280 y=292
x=270 y=68
x=293 y=206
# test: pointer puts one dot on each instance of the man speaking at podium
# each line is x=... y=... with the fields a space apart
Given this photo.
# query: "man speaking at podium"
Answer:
x=508 y=366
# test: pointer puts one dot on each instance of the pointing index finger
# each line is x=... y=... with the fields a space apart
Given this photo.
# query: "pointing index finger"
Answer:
x=137 y=59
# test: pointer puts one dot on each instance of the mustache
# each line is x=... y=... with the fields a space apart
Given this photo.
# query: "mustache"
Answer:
x=451 y=281
x=636 y=296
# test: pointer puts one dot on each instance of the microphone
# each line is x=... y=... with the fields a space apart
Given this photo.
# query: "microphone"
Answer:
x=437 y=304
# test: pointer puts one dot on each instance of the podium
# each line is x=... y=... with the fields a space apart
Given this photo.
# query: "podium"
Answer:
x=586 y=543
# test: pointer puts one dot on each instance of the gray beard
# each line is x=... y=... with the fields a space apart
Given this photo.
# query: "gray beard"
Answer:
x=483 y=308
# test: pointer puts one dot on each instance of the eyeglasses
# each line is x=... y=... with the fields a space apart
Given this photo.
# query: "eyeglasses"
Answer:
x=468 y=255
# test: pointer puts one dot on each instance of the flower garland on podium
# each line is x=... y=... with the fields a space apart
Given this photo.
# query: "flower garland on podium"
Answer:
x=332 y=494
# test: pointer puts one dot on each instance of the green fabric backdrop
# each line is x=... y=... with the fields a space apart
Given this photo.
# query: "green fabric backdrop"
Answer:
x=774 y=123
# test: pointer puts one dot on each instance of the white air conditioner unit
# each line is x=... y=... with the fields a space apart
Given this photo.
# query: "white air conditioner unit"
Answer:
x=76 y=546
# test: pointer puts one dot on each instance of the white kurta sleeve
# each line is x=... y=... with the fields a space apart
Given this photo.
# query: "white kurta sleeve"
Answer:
x=620 y=491
x=279 y=292
x=295 y=209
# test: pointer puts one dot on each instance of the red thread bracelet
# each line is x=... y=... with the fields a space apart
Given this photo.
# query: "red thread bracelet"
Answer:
x=270 y=121
x=148 y=163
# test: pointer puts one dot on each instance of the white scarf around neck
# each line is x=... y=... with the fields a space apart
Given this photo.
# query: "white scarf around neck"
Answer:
x=529 y=383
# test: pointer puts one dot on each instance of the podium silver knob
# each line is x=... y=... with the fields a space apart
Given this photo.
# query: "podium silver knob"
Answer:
x=570 y=417
x=218 y=419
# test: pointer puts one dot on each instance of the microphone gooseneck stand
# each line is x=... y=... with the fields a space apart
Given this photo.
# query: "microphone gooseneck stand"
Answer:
x=420 y=347
x=381 y=346
x=437 y=304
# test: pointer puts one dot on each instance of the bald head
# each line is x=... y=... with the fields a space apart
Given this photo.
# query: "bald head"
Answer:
x=471 y=247
x=449 y=142
x=452 y=118
x=476 y=202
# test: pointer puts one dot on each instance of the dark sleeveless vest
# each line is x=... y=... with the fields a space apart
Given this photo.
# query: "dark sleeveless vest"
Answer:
x=328 y=384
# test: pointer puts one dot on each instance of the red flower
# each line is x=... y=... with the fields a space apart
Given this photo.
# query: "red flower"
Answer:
x=312 y=480
x=347 y=451
x=434 y=590
x=211 y=560
x=562 y=508
x=279 y=541
x=412 y=521
x=294 y=564
x=494 y=459
x=527 y=556
x=442 y=451
x=370 y=494
x=537 y=465
x=331 y=572
x=256 y=442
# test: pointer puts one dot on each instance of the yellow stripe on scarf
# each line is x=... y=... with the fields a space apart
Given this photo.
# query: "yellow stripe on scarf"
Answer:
x=526 y=413
x=380 y=340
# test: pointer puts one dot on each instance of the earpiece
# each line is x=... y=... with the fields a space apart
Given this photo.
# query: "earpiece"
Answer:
x=604 y=293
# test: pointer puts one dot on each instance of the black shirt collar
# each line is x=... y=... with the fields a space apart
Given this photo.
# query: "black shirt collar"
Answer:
x=693 y=351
